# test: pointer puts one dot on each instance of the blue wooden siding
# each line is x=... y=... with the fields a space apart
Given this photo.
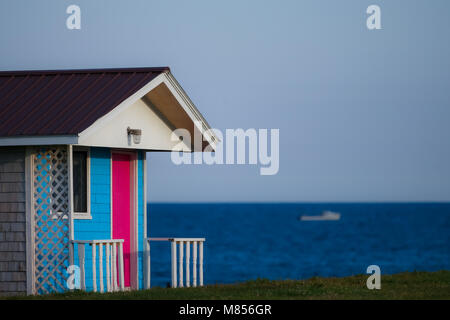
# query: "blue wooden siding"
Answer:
x=99 y=227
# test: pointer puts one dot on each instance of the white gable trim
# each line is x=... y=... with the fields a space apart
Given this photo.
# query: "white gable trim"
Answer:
x=177 y=92
x=188 y=106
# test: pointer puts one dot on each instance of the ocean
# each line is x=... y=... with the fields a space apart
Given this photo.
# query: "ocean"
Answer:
x=249 y=241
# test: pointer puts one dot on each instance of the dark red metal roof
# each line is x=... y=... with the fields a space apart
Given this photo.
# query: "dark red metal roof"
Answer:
x=64 y=102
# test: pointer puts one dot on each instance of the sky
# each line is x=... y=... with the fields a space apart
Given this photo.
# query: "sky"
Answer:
x=363 y=114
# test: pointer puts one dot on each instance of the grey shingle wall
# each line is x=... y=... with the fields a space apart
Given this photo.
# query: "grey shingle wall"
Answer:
x=12 y=221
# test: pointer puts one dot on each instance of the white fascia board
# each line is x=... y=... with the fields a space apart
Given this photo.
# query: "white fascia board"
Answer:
x=38 y=140
x=189 y=107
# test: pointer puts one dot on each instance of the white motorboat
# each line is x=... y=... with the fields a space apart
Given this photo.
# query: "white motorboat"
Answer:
x=325 y=216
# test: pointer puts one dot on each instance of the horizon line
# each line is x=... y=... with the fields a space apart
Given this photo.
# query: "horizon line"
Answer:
x=299 y=202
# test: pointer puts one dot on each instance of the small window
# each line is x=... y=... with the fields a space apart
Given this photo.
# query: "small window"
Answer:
x=80 y=160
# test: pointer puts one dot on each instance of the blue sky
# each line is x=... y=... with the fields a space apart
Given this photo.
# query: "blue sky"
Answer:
x=363 y=115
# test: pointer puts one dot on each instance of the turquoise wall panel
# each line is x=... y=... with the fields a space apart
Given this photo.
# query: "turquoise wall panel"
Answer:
x=99 y=227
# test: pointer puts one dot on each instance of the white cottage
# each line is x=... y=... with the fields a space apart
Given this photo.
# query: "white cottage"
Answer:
x=73 y=147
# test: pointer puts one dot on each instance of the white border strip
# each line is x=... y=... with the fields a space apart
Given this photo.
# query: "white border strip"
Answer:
x=38 y=140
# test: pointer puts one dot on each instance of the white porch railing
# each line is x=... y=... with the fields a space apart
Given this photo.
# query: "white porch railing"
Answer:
x=113 y=264
x=181 y=243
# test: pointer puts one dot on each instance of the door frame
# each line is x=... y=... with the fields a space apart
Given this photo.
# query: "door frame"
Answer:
x=134 y=265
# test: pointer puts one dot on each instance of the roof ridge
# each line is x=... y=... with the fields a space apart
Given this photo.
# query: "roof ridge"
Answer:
x=72 y=71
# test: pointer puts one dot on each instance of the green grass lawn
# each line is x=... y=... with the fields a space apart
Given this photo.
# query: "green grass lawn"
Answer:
x=407 y=285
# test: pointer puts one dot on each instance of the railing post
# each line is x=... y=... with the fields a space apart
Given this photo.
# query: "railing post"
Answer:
x=201 y=263
x=174 y=264
x=194 y=264
x=100 y=262
x=71 y=253
x=114 y=267
x=148 y=265
x=188 y=258
x=121 y=273
x=82 y=270
x=181 y=264
x=108 y=268
x=94 y=269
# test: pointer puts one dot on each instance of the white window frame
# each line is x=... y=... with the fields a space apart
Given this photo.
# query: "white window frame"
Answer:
x=84 y=215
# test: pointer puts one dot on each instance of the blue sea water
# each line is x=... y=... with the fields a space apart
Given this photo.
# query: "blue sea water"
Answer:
x=248 y=241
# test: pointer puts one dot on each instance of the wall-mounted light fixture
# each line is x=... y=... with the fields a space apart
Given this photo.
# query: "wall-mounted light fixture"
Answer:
x=136 y=134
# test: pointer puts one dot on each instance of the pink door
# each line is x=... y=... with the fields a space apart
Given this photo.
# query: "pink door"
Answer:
x=121 y=197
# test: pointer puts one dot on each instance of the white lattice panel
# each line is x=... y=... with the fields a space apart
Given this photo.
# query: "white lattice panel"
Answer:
x=51 y=218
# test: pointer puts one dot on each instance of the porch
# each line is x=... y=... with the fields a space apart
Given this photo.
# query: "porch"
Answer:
x=73 y=250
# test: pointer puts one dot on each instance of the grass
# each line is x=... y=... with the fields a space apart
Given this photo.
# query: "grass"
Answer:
x=407 y=285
